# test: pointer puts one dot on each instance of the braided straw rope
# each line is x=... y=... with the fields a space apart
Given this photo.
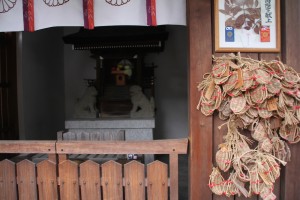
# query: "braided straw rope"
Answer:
x=264 y=98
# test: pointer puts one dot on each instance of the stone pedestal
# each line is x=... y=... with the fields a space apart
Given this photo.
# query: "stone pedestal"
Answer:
x=113 y=129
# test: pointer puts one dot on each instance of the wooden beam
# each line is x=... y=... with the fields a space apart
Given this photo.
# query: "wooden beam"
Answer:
x=27 y=146
x=177 y=146
x=200 y=127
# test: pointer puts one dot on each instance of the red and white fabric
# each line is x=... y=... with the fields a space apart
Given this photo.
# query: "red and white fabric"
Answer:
x=30 y=15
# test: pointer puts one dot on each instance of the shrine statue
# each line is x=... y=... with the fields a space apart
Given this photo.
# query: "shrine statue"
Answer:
x=85 y=107
x=122 y=72
x=142 y=106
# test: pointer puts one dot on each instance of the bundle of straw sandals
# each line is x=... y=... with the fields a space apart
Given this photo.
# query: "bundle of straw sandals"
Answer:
x=261 y=102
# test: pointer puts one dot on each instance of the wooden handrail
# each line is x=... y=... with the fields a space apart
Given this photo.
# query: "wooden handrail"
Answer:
x=28 y=146
x=168 y=146
x=177 y=146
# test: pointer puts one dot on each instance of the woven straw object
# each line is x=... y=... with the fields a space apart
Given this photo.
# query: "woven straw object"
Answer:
x=259 y=133
x=219 y=69
x=264 y=98
x=290 y=133
x=253 y=112
x=280 y=149
x=222 y=80
x=216 y=181
x=266 y=145
x=231 y=186
x=291 y=77
x=224 y=157
x=255 y=181
x=274 y=86
x=230 y=84
x=237 y=104
x=247 y=79
x=262 y=76
x=258 y=94
x=263 y=111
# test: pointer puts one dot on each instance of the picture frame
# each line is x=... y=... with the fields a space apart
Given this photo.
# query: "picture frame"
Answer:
x=247 y=25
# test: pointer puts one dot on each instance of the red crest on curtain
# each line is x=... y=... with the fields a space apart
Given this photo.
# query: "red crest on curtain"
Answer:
x=151 y=12
x=88 y=14
x=28 y=15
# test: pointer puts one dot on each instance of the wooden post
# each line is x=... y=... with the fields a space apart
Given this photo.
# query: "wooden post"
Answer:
x=200 y=133
x=174 y=176
x=290 y=54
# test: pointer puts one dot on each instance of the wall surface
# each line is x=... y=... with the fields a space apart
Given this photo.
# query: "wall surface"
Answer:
x=171 y=85
x=77 y=66
x=41 y=79
x=204 y=135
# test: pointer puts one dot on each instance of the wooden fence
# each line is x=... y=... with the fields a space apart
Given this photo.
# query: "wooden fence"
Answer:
x=61 y=178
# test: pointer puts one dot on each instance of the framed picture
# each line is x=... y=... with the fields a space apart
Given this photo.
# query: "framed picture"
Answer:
x=247 y=25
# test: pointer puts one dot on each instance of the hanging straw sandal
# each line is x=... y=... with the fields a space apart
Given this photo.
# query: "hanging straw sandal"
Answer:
x=259 y=96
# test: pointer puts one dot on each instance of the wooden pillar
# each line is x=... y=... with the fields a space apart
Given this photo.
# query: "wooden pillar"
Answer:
x=200 y=127
x=290 y=55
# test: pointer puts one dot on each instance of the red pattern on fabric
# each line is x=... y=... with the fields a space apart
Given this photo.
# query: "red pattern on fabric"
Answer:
x=28 y=15
x=151 y=12
x=88 y=14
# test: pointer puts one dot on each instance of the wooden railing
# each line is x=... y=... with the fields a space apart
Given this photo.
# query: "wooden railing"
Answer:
x=60 y=178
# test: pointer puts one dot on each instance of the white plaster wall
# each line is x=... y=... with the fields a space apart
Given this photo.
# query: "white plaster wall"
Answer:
x=77 y=66
x=171 y=89
x=41 y=83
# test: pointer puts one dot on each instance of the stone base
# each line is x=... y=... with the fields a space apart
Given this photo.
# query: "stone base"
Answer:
x=112 y=129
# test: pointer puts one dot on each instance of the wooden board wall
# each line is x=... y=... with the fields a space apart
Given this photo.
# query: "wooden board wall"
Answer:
x=290 y=54
x=203 y=133
x=200 y=127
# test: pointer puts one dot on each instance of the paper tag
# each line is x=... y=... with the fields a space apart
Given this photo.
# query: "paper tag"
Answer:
x=240 y=81
x=229 y=34
x=210 y=90
x=265 y=34
x=272 y=104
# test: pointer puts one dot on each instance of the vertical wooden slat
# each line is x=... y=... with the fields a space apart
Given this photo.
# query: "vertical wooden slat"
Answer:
x=90 y=180
x=8 y=187
x=174 y=176
x=200 y=127
x=134 y=181
x=46 y=180
x=112 y=181
x=27 y=187
x=62 y=158
x=291 y=56
x=157 y=174
x=52 y=158
x=269 y=56
x=68 y=177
